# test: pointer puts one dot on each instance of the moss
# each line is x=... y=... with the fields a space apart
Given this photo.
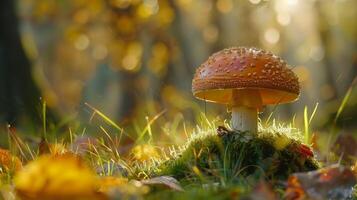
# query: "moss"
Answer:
x=231 y=157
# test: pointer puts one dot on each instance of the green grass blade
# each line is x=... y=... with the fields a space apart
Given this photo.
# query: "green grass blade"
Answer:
x=313 y=112
x=343 y=104
x=102 y=115
x=106 y=119
x=306 y=126
x=44 y=120
x=148 y=125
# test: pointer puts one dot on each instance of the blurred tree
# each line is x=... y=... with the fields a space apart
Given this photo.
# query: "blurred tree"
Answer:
x=19 y=95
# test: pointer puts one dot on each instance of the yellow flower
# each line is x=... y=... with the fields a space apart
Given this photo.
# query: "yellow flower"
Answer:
x=8 y=162
x=145 y=152
x=56 y=177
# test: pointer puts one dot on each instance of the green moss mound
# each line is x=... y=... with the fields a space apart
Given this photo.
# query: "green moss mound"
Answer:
x=231 y=156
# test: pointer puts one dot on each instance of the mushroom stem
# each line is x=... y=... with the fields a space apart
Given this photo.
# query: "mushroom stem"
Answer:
x=245 y=105
x=244 y=118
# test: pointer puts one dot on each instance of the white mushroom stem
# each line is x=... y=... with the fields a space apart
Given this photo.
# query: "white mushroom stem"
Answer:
x=244 y=118
x=245 y=105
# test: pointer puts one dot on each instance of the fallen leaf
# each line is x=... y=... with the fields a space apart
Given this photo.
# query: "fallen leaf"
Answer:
x=263 y=191
x=109 y=182
x=9 y=162
x=166 y=181
x=334 y=182
x=56 y=177
x=121 y=188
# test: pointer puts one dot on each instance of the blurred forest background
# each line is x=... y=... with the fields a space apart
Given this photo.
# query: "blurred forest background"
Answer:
x=136 y=58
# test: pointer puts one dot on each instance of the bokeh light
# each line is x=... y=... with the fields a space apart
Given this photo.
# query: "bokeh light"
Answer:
x=272 y=35
x=148 y=50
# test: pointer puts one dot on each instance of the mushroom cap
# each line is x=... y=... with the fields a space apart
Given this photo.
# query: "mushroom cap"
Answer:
x=241 y=68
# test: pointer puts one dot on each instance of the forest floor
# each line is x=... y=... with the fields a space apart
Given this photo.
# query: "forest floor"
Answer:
x=214 y=163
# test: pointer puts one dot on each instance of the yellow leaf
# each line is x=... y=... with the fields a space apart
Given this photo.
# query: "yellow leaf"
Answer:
x=9 y=162
x=56 y=177
x=106 y=183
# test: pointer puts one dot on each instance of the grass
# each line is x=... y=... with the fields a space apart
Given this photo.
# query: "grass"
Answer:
x=307 y=122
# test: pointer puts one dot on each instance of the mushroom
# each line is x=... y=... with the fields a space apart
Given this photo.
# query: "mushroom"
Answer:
x=245 y=79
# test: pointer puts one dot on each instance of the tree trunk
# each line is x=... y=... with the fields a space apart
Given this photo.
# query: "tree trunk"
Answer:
x=19 y=96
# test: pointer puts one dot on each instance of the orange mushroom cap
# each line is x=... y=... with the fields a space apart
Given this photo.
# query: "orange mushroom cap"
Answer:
x=241 y=68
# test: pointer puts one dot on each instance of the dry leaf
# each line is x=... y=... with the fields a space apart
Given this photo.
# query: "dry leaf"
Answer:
x=56 y=177
x=263 y=191
x=334 y=182
x=166 y=181
x=109 y=182
x=9 y=162
x=121 y=188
